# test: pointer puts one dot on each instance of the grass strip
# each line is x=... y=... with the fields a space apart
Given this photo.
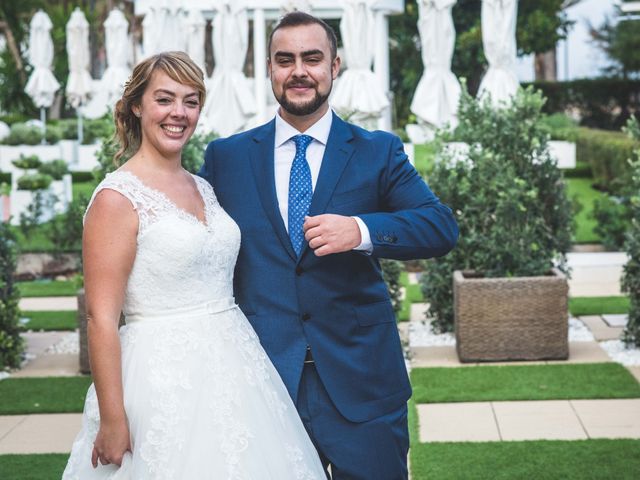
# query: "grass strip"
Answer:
x=540 y=460
x=20 y=396
x=47 y=288
x=523 y=382
x=580 y=190
x=50 y=320
x=48 y=466
x=598 y=305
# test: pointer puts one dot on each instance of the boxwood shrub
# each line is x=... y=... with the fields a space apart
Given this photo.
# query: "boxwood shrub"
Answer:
x=34 y=181
x=27 y=162
x=508 y=196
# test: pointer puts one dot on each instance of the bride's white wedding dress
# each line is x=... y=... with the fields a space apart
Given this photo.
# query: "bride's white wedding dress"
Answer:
x=202 y=399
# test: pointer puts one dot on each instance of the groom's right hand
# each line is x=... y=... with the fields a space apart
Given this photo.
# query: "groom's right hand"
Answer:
x=329 y=233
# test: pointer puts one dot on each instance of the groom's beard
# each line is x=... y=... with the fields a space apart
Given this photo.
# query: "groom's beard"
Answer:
x=306 y=108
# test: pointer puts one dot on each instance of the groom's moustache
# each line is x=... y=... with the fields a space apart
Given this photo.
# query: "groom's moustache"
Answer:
x=300 y=84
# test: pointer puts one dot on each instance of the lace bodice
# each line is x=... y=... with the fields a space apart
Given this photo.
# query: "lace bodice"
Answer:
x=180 y=261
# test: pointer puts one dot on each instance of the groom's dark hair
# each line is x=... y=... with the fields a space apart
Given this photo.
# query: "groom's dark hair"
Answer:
x=296 y=19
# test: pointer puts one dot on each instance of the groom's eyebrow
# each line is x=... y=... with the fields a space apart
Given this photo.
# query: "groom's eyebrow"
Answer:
x=307 y=53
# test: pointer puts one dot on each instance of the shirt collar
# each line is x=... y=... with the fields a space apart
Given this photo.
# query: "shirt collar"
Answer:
x=319 y=131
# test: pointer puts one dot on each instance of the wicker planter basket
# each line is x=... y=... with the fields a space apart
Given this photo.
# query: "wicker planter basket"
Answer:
x=519 y=318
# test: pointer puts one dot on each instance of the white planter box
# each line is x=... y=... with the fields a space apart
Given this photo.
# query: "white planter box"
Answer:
x=86 y=158
x=564 y=153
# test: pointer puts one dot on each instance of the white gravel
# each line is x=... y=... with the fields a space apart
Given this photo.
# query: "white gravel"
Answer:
x=4 y=375
x=70 y=343
x=420 y=335
x=618 y=353
x=579 y=332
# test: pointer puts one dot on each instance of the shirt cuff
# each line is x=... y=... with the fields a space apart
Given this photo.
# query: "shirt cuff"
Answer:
x=365 y=243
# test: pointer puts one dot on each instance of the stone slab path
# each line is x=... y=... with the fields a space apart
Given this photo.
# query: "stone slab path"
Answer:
x=48 y=303
x=529 y=420
x=42 y=433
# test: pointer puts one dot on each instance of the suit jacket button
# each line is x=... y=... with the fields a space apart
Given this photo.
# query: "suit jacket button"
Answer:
x=299 y=270
x=306 y=316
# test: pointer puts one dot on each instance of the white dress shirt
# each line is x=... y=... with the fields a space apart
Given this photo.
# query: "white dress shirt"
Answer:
x=285 y=150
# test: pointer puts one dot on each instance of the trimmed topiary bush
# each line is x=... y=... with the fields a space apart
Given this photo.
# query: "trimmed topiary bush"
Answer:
x=631 y=276
x=11 y=344
x=34 y=181
x=23 y=134
x=508 y=196
x=56 y=169
x=27 y=162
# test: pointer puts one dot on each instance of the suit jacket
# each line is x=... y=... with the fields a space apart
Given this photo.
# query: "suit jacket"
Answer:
x=338 y=304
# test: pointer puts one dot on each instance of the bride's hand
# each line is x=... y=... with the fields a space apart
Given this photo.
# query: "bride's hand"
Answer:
x=112 y=442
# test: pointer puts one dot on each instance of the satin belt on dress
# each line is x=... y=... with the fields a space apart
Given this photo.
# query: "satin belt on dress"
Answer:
x=208 y=308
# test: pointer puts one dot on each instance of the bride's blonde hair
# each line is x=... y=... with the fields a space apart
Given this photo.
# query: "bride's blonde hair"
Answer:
x=176 y=65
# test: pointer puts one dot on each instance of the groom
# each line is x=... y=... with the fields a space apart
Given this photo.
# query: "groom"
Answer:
x=318 y=202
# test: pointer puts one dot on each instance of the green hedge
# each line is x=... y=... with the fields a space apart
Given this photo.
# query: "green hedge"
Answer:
x=605 y=103
x=607 y=153
x=81 y=177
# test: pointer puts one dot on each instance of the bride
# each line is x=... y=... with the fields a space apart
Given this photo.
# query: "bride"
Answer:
x=184 y=391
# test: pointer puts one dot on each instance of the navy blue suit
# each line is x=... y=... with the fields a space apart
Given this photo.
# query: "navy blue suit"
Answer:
x=337 y=304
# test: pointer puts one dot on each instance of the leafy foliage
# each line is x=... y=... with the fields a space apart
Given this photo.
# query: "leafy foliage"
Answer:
x=391 y=270
x=11 y=345
x=619 y=38
x=66 y=229
x=631 y=276
x=508 y=195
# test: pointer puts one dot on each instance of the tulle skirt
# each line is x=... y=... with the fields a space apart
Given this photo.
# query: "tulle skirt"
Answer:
x=203 y=401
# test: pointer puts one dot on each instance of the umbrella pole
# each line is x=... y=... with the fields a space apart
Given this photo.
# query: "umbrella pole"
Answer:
x=80 y=129
x=43 y=119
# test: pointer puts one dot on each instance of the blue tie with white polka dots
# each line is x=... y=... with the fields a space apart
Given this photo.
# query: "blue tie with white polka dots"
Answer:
x=300 y=191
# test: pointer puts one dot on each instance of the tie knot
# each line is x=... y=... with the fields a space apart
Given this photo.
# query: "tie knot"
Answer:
x=302 y=142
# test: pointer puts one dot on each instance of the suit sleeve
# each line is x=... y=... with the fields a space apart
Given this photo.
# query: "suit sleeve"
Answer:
x=413 y=222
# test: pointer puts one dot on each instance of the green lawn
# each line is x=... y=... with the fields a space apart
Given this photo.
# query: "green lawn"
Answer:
x=581 y=190
x=54 y=320
x=413 y=294
x=48 y=288
x=32 y=467
x=598 y=305
x=523 y=382
x=43 y=395
x=83 y=188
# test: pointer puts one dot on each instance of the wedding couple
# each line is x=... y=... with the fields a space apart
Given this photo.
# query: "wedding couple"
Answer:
x=306 y=371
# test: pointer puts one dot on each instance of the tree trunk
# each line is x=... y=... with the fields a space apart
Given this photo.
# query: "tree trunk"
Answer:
x=15 y=52
x=546 y=66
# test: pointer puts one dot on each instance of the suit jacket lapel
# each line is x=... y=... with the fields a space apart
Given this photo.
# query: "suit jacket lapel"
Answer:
x=336 y=156
x=261 y=152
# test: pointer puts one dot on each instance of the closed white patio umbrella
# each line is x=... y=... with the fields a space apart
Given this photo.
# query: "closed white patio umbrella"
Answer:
x=42 y=85
x=163 y=28
x=79 y=83
x=358 y=91
x=499 y=41
x=119 y=55
x=436 y=98
x=230 y=103
x=195 y=36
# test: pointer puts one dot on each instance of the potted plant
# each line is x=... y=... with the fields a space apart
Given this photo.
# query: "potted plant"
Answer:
x=507 y=299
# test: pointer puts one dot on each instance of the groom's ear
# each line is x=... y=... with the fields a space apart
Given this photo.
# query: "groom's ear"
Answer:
x=335 y=67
